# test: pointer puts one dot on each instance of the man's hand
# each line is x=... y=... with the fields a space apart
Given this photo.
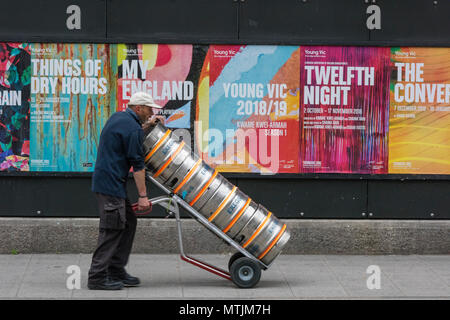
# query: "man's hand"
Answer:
x=143 y=204
x=152 y=121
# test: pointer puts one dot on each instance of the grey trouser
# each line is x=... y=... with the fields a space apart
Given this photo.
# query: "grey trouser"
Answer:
x=116 y=234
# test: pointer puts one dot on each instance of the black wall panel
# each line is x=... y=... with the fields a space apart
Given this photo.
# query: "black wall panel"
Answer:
x=296 y=198
x=332 y=22
x=297 y=21
x=403 y=22
x=45 y=20
x=409 y=199
x=190 y=21
x=44 y=197
x=407 y=22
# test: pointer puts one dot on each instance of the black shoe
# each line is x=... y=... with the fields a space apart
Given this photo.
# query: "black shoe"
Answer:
x=126 y=279
x=106 y=284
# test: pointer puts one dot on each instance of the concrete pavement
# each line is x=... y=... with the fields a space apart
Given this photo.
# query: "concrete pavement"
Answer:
x=44 y=276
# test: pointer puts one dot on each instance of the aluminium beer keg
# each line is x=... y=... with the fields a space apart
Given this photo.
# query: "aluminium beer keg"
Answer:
x=171 y=162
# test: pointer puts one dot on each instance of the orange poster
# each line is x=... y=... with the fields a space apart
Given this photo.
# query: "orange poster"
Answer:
x=419 y=122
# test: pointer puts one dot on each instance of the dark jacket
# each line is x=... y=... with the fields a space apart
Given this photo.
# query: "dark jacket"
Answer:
x=120 y=148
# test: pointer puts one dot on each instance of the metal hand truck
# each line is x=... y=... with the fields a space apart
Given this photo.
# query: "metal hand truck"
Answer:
x=244 y=268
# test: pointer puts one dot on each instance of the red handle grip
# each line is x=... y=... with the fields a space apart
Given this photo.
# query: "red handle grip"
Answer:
x=134 y=206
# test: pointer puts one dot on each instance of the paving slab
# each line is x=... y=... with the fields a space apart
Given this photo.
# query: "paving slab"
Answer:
x=46 y=276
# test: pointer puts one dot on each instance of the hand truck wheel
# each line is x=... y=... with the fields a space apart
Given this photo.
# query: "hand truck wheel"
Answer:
x=245 y=273
x=233 y=258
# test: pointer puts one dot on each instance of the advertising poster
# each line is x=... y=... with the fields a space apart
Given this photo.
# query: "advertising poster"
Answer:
x=71 y=98
x=253 y=109
x=344 y=109
x=419 y=125
x=14 y=106
x=202 y=111
x=169 y=73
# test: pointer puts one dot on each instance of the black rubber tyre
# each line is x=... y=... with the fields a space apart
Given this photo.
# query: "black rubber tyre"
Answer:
x=233 y=258
x=245 y=272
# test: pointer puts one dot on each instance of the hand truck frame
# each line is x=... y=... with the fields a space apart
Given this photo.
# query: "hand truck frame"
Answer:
x=244 y=268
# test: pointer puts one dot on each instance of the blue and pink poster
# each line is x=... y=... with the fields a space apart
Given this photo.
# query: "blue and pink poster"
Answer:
x=253 y=109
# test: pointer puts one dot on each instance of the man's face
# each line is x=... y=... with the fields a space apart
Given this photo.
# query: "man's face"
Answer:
x=144 y=113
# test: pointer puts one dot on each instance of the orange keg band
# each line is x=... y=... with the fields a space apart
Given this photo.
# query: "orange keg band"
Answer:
x=188 y=176
x=273 y=242
x=156 y=147
x=204 y=188
x=170 y=160
x=257 y=231
x=239 y=214
x=222 y=204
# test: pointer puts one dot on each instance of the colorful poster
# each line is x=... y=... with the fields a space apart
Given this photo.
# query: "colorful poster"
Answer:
x=169 y=73
x=72 y=96
x=419 y=125
x=14 y=106
x=252 y=122
x=344 y=109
